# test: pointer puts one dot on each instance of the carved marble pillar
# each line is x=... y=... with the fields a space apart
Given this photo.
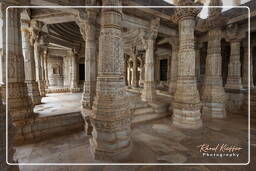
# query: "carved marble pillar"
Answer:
x=135 y=82
x=36 y=39
x=73 y=81
x=12 y=15
x=149 y=91
x=234 y=67
x=111 y=118
x=186 y=104
x=20 y=107
x=246 y=72
x=174 y=68
x=88 y=30
x=213 y=93
x=29 y=63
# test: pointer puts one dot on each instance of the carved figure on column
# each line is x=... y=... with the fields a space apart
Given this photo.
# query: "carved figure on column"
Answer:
x=111 y=118
x=186 y=104
x=149 y=91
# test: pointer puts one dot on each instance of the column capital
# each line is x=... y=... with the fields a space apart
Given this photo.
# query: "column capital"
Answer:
x=233 y=34
x=86 y=20
x=151 y=34
x=181 y=13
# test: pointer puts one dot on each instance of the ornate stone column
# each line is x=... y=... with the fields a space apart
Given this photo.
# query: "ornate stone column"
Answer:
x=88 y=30
x=29 y=63
x=214 y=96
x=174 y=61
x=20 y=108
x=36 y=40
x=246 y=67
x=111 y=118
x=186 y=105
x=149 y=91
x=73 y=81
x=234 y=67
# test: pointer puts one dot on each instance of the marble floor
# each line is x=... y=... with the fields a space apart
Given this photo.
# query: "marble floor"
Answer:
x=59 y=103
x=153 y=142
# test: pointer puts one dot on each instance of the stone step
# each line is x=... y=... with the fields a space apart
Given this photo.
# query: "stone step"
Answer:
x=148 y=117
x=142 y=111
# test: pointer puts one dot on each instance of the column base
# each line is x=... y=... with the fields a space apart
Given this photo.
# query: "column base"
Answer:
x=148 y=93
x=213 y=110
x=187 y=119
x=86 y=113
x=234 y=83
x=41 y=88
x=33 y=92
x=74 y=90
x=19 y=105
x=110 y=150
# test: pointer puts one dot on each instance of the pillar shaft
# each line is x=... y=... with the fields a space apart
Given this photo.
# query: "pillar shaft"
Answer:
x=88 y=30
x=213 y=92
x=45 y=63
x=135 y=72
x=111 y=115
x=29 y=63
x=246 y=72
x=186 y=105
x=73 y=82
x=174 y=68
x=36 y=39
x=234 y=67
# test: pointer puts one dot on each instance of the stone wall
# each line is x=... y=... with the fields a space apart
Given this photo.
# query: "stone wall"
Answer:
x=41 y=128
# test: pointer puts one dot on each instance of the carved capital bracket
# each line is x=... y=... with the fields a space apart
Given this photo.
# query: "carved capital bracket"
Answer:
x=181 y=13
x=151 y=34
x=86 y=20
x=233 y=34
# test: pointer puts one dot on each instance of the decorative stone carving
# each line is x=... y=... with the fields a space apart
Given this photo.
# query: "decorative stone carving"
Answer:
x=234 y=68
x=149 y=91
x=186 y=104
x=29 y=63
x=111 y=118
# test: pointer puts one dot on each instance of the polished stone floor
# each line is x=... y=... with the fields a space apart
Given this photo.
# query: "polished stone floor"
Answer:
x=153 y=142
x=59 y=103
